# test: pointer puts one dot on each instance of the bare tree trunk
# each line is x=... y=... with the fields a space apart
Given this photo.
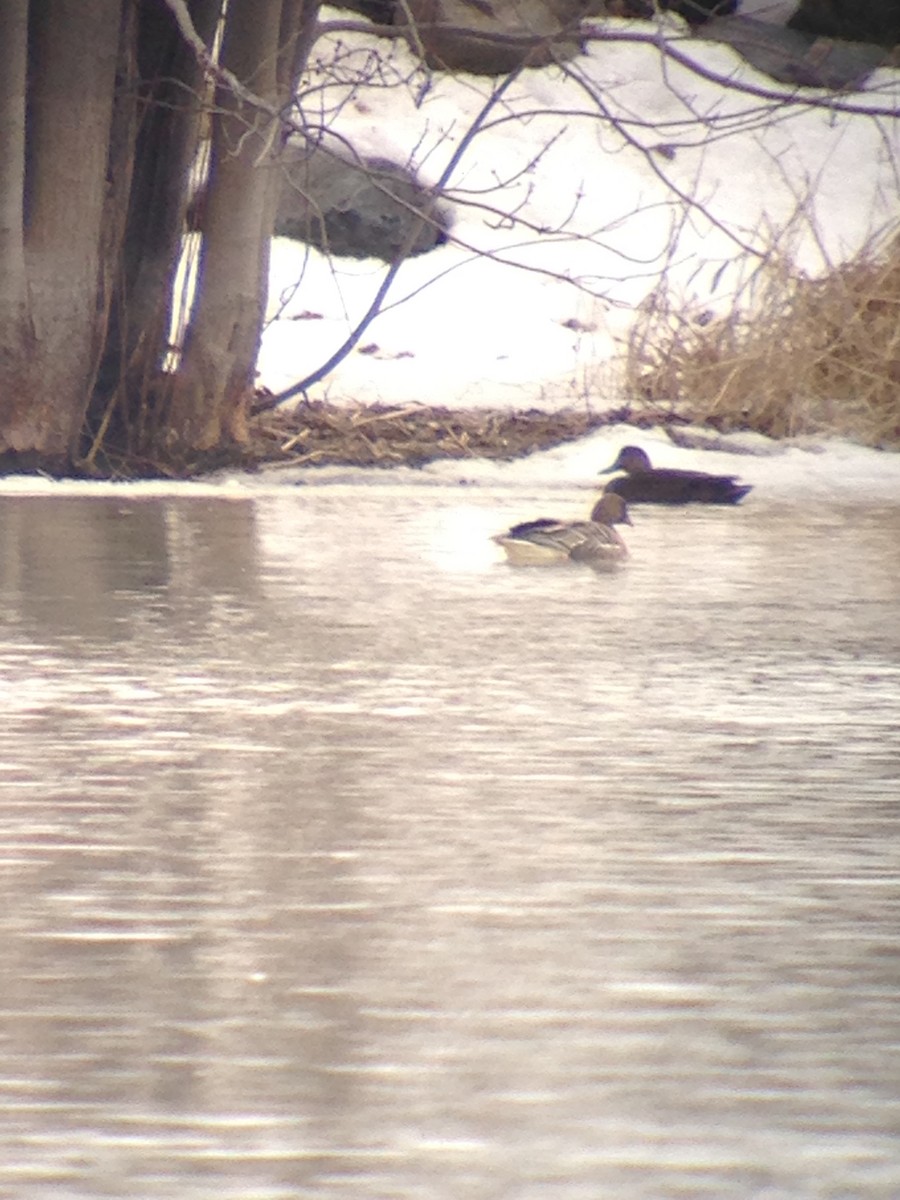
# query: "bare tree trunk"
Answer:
x=72 y=56
x=215 y=377
x=15 y=326
x=172 y=99
x=264 y=47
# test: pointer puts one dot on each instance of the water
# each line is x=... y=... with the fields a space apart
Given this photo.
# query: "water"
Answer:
x=339 y=859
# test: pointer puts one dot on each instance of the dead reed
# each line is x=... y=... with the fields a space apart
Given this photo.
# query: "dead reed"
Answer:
x=805 y=356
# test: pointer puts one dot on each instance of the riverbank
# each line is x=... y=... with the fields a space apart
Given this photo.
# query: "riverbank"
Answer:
x=319 y=434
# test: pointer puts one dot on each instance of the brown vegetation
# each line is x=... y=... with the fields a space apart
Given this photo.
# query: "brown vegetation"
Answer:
x=381 y=435
x=807 y=356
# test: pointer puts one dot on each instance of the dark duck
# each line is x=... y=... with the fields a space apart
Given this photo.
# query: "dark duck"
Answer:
x=645 y=484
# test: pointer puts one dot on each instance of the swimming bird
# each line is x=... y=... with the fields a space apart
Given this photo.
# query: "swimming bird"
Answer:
x=643 y=484
x=546 y=541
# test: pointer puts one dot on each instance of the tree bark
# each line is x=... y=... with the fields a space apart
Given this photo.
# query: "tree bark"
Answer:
x=263 y=47
x=15 y=327
x=72 y=55
x=172 y=99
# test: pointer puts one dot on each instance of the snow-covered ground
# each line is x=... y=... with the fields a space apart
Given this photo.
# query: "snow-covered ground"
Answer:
x=595 y=220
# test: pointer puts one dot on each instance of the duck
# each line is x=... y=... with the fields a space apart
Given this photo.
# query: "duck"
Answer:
x=546 y=541
x=644 y=484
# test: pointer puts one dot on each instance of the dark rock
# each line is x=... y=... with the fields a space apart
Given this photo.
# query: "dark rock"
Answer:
x=698 y=12
x=794 y=58
x=874 y=21
x=695 y=12
x=380 y=11
x=492 y=37
x=360 y=208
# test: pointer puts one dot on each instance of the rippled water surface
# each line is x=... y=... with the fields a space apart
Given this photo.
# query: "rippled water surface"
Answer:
x=339 y=859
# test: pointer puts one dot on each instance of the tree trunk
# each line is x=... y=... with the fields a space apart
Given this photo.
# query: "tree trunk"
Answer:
x=215 y=376
x=16 y=334
x=53 y=326
x=172 y=99
x=214 y=383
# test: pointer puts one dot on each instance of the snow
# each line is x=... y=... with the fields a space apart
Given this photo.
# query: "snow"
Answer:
x=533 y=311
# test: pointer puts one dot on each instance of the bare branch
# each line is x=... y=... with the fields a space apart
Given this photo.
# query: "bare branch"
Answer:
x=374 y=308
x=212 y=69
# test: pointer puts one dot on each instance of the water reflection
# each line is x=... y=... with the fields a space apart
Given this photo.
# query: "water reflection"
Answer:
x=341 y=859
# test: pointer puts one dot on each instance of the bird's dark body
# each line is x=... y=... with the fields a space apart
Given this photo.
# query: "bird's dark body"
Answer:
x=669 y=486
x=645 y=484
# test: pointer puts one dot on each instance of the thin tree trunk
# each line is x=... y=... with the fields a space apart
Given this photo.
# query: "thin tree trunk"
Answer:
x=214 y=378
x=171 y=90
x=215 y=381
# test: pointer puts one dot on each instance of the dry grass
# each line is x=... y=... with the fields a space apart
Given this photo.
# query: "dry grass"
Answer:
x=813 y=356
x=317 y=433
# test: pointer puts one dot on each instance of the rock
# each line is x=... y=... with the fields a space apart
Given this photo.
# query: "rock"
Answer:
x=695 y=12
x=361 y=208
x=794 y=58
x=698 y=12
x=492 y=37
x=380 y=11
x=874 y=21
